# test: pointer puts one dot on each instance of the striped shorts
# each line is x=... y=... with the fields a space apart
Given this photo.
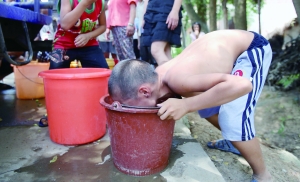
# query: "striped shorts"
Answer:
x=236 y=118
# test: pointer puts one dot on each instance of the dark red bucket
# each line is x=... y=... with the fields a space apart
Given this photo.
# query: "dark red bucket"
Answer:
x=140 y=141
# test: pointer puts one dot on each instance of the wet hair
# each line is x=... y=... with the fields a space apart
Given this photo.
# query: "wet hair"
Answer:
x=127 y=77
x=196 y=23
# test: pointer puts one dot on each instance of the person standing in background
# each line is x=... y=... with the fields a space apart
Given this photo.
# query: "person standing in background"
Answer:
x=162 y=28
x=120 y=21
x=196 y=31
x=106 y=45
x=145 y=51
x=77 y=32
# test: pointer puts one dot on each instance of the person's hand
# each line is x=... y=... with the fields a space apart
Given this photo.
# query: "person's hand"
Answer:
x=107 y=33
x=81 y=40
x=197 y=33
x=172 y=20
x=172 y=109
x=129 y=30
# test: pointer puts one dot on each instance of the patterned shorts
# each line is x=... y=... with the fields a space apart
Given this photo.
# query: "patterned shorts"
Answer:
x=123 y=43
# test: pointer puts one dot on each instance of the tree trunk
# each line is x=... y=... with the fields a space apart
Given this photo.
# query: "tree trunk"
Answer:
x=297 y=8
x=240 y=18
x=188 y=7
x=225 y=14
x=212 y=15
x=201 y=8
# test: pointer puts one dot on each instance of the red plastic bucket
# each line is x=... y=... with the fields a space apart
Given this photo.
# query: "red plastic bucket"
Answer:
x=140 y=141
x=72 y=102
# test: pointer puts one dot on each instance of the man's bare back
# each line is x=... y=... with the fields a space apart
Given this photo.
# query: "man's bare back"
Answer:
x=224 y=47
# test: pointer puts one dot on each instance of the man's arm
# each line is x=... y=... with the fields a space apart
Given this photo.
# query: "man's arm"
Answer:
x=218 y=89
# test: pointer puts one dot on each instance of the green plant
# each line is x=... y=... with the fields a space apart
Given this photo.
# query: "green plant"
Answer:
x=286 y=81
x=176 y=51
x=282 y=125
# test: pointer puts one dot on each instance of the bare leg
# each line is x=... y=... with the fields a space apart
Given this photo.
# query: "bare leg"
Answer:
x=251 y=151
x=114 y=56
x=214 y=120
x=168 y=51
x=158 y=52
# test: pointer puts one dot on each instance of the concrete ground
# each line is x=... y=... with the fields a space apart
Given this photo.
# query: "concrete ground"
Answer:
x=28 y=154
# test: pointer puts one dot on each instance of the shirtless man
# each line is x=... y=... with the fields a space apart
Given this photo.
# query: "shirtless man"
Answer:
x=224 y=68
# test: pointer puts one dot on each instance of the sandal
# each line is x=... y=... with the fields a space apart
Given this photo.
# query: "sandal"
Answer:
x=253 y=180
x=43 y=122
x=223 y=145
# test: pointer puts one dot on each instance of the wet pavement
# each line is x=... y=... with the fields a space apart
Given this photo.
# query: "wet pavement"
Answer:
x=28 y=154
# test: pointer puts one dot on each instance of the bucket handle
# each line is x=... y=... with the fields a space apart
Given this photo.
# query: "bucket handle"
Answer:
x=116 y=105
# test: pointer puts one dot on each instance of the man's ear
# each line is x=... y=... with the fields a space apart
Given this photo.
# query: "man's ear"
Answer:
x=144 y=91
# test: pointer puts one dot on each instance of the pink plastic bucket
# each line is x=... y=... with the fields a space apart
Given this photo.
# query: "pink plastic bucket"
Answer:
x=72 y=102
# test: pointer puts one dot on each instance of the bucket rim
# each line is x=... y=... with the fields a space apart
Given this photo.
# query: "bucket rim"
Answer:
x=75 y=73
x=117 y=106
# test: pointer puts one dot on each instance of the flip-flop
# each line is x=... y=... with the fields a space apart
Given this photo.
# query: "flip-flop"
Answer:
x=253 y=180
x=41 y=124
x=224 y=145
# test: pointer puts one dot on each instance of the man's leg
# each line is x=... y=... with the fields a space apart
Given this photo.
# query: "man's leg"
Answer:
x=221 y=144
x=158 y=52
x=214 y=120
x=251 y=151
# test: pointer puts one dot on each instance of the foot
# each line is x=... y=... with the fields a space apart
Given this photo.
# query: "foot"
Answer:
x=223 y=145
x=43 y=122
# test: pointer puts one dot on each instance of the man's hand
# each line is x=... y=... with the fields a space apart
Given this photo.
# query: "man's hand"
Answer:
x=172 y=20
x=172 y=109
x=81 y=40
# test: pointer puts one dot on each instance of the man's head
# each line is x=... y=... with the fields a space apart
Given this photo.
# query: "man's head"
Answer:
x=131 y=82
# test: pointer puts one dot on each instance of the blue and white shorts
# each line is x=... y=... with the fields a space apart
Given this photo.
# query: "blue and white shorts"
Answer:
x=236 y=118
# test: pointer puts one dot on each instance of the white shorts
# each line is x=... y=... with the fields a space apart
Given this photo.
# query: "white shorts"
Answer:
x=236 y=118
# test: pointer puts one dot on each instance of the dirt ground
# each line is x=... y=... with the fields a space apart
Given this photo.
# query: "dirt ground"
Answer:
x=277 y=123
